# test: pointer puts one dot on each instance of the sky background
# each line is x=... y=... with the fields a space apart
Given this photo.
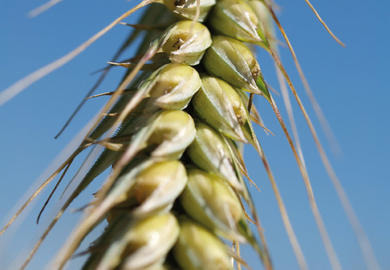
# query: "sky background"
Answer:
x=349 y=83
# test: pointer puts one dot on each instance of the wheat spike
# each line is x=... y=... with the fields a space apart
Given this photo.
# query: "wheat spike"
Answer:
x=171 y=136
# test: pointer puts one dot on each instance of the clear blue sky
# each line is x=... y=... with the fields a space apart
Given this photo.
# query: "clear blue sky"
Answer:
x=350 y=84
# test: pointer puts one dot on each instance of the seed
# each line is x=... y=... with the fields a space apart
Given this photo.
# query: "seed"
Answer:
x=197 y=249
x=173 y=85
x=187 y=9
x=168 y=133
x=210 y=201
x=263 y=15
x=218 y=104
x=236 y=19
x=136 y=244
x=186 y=42
x=234 y=62
x=173 y=132
x=154 y=188
x=210 y=153
x=158 y=186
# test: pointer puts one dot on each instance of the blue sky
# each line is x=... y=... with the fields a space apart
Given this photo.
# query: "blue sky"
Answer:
x=349 y=84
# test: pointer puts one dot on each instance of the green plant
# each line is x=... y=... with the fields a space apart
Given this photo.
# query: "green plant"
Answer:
x=146 y=127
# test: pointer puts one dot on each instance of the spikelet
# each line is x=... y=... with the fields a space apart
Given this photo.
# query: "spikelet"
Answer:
x=189 y=9
x=186 y=42
x=235 y=63
x=219 y=105
x=197 y=248
x=235 y=18
x=209 y=200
